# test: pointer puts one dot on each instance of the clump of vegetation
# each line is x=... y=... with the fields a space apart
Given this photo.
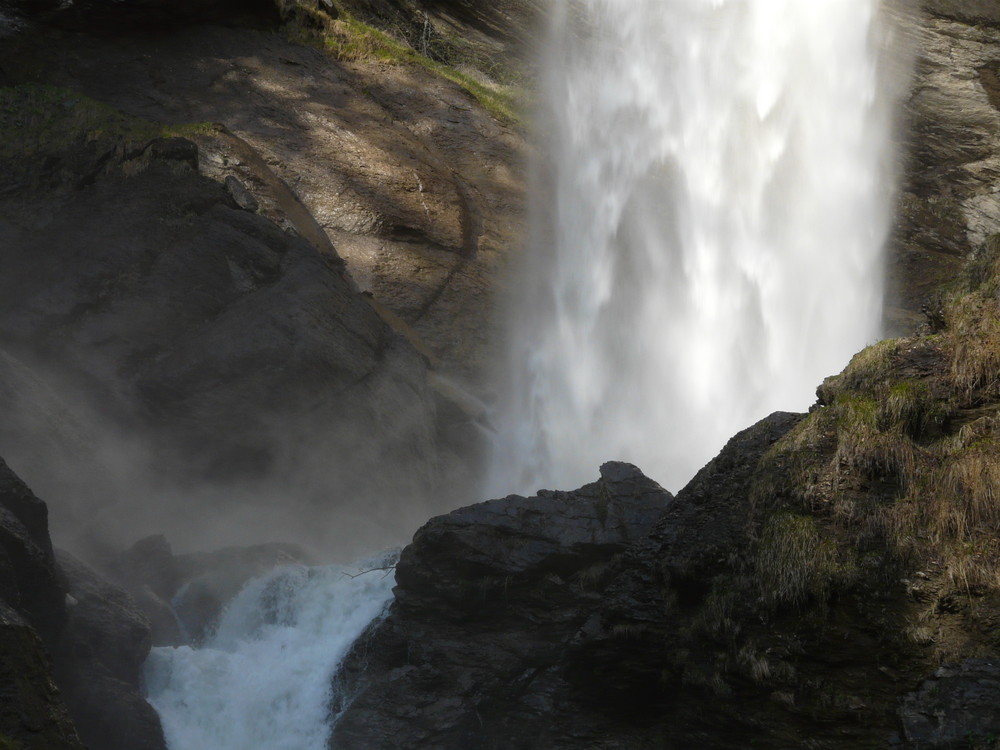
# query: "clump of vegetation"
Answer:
x=794 y=563
x=349 y=38
x=901 y=455
x=38 y=120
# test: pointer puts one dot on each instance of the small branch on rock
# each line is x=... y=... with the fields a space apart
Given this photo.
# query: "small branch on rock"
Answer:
x=387 y=568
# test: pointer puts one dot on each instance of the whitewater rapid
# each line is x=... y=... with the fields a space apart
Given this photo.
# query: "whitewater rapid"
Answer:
x=708 y=229
x=264 y=679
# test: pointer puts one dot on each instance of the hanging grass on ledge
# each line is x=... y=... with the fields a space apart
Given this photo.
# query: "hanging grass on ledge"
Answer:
x=351 y=40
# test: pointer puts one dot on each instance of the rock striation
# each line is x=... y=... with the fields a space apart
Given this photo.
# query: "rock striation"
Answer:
x=951 y=143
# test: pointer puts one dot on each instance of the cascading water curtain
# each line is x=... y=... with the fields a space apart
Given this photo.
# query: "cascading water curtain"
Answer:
x=710 y=219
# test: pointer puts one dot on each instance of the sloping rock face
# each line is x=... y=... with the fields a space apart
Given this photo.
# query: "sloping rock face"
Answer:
x=493 y=607
x=193 y=333
x=418 y=187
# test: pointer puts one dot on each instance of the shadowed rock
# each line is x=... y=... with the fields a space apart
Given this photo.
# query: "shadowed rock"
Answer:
x=99 y=661
x=492 y=605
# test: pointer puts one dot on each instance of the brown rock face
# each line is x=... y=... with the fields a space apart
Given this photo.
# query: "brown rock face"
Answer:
x=190 y=332
x=418 y=187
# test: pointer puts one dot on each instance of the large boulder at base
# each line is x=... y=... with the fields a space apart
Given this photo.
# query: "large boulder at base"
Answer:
x=103 y=647
x=493 y=601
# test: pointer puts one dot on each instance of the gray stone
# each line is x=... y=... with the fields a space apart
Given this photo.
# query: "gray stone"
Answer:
x=957 y=707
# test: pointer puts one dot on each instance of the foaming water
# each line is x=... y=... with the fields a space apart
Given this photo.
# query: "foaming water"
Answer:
x=708 y=242
x=264 y=679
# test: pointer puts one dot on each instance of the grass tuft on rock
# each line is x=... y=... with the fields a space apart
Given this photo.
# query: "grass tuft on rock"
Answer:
x=350 y=39
x=901 y=456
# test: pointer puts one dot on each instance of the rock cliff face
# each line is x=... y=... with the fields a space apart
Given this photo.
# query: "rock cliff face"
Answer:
x=173 y=294
x=32 y=713
x=754 y=606
x=951 y=126
x=63 y=625
x=140 y=288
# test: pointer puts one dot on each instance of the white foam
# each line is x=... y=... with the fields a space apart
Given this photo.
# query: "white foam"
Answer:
x=264 y=679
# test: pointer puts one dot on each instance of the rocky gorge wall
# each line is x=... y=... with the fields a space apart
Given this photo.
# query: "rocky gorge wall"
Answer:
x=829 y=581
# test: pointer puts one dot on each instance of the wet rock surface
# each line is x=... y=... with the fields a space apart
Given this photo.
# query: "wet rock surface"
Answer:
x=947 y=205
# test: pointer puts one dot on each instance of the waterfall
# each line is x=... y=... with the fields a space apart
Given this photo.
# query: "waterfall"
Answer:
x=264 y=678
x=708 y=229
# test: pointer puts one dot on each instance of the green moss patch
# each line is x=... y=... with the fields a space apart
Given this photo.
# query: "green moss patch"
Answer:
x=350 y=39
x=37 y=121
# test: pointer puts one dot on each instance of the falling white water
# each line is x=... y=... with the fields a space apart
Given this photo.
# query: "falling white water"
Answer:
x=264 y=680
x=708 y=230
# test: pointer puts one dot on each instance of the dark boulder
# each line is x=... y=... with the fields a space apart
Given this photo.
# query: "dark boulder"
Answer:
x=29 y=581
x=208 y=351
x=99 y=663
x=493 y=603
